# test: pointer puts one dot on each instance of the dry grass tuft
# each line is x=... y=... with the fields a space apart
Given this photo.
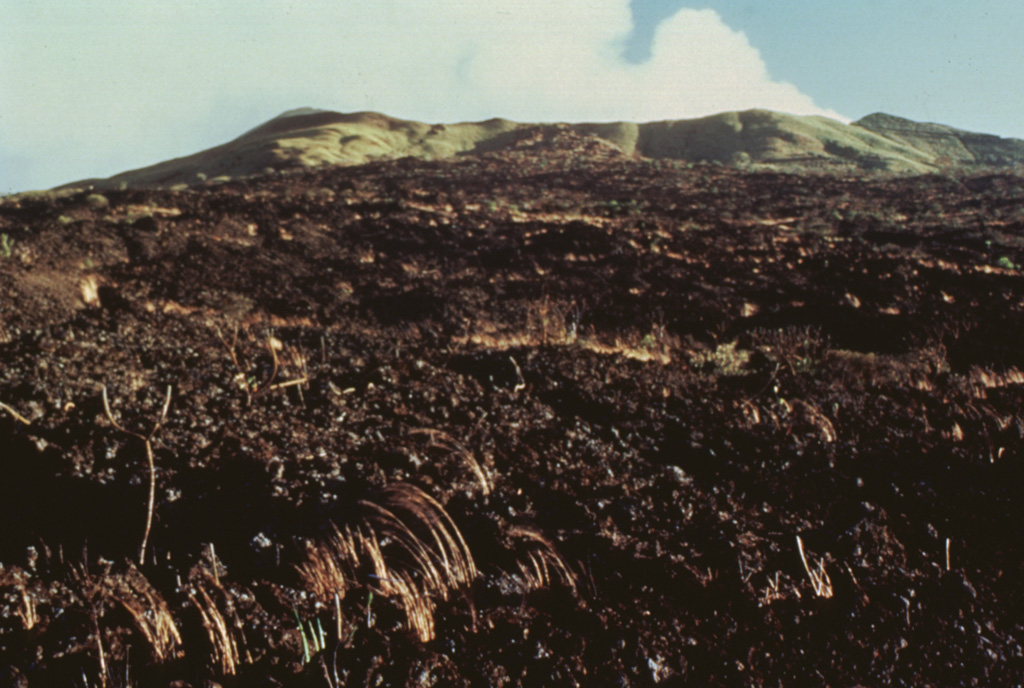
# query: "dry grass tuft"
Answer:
x=446 y=441
x=133 y=592
x=407 y=548
x=542 y=566
x=329 y=567
x=148 y=610
x=90 y=590
x=223 y=648
x=415 y=601
x=813 y=415
x=817 y=575
x=18 y=579
x=218 y=613
x=986 y=378
x=448 y=560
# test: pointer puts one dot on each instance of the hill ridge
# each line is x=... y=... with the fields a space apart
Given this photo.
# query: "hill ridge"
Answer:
x=310 y=137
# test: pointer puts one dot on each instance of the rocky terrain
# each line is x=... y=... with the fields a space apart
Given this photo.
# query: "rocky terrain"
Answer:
x=546 y=415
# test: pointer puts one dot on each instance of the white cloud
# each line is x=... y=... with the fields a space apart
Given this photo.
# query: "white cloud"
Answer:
x=119 y=83
x=701 y=66
x=698 y=66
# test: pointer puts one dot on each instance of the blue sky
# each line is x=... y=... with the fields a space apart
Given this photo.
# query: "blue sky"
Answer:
x=95 y=87
x=959 y=62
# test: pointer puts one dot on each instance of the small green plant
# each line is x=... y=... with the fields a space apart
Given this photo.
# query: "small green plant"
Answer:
x=314 y=639
x=1006 y=262
x=6 y=245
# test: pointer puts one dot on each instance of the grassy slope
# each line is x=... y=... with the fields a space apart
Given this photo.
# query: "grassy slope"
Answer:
x=946 y=143
x=310 y=138
x=772 y=137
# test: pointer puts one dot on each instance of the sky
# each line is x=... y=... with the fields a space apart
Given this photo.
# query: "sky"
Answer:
x=89 y=88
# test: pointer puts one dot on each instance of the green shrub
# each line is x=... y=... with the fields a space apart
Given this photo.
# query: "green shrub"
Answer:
x=97 y=201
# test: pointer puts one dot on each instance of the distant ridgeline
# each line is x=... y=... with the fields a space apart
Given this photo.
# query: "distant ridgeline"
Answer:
x=752 y=138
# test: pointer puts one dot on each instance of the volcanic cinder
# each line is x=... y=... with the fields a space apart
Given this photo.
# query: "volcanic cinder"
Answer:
x=548 y=412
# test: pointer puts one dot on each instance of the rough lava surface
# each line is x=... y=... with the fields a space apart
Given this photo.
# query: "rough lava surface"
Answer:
x=546 y=416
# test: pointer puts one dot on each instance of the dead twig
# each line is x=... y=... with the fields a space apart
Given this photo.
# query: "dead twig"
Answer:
x=290 y=383
x=147 y=440
x=249 y=384
x=17 y=416
x=99 y=648
x=520 y=382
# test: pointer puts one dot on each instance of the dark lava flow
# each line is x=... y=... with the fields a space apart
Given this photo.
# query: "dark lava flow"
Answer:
x=693 y=426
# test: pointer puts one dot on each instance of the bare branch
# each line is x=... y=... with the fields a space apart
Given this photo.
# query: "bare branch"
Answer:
x=17 y=416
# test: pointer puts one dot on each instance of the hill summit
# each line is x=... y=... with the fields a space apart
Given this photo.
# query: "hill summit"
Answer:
x=308 y=137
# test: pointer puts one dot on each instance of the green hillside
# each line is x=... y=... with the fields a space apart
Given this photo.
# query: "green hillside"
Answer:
x=758 y=138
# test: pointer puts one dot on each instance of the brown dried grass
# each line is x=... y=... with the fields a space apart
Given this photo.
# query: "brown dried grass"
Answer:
x=223 y=648
x=541 y=565
x=411 y=547
x=817 y=575
x=19 y=580
x=217 y=607
x=148 y=610
x=446 y=441
x=132 y=591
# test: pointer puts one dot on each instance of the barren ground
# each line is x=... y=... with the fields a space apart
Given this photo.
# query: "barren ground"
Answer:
x=551 y=417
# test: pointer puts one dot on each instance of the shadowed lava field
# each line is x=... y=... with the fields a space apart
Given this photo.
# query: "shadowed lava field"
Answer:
x=545 y=417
